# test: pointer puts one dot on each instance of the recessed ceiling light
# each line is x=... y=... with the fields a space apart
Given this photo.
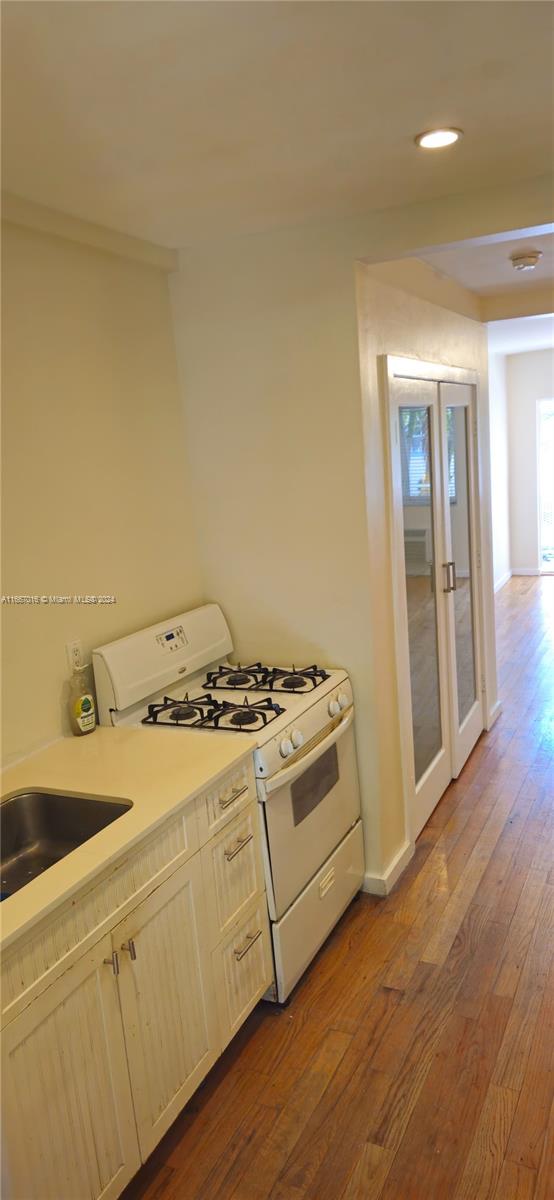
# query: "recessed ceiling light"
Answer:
x=434 y=139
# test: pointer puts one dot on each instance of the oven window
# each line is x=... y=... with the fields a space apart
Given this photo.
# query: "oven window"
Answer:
x=308 y=791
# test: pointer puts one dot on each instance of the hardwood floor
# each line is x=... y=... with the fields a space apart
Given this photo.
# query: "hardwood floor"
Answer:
x=416 y=1059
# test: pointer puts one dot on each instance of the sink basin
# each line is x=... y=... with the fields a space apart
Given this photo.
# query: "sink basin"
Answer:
x=37 y=829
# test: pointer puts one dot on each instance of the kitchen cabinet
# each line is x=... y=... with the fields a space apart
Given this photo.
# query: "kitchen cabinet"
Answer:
x=68 y=1121
x=167 y=1000
x=119 y=1004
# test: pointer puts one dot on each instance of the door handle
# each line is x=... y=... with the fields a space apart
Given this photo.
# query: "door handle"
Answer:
x=113 y=962
x=451 y=581
x=130 y=946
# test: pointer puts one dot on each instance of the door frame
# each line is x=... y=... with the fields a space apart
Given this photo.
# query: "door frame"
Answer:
x=393 y=367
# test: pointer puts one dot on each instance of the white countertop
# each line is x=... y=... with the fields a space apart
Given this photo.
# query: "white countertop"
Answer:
x=156 y=769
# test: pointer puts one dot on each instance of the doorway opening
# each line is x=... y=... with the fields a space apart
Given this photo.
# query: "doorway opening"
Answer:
x=546 y=485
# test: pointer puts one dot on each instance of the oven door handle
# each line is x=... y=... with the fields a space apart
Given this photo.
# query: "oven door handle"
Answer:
x=289 y=774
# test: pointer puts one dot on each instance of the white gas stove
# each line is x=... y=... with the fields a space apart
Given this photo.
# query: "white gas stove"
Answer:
x=177 y=676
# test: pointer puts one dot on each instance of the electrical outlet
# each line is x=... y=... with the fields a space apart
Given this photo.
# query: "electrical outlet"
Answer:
x=74 y=652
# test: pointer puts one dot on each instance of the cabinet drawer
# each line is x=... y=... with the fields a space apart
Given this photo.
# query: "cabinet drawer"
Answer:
x=243 y=969
x=232 y=869
x=221 y=803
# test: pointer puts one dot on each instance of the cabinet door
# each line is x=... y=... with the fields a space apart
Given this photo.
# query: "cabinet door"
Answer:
x=68 y=1123
x=243 y=969
x=166 y=990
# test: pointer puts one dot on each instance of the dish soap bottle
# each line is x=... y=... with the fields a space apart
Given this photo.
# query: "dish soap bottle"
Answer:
x=82 y=713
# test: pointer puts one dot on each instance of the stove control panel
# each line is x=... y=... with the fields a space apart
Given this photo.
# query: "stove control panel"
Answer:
x=172 y=639
x=286 y=747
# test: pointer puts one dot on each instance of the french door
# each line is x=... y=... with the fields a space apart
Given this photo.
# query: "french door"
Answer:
x=435 y=558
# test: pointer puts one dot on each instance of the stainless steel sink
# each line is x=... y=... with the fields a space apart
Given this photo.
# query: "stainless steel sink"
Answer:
x=37 y=829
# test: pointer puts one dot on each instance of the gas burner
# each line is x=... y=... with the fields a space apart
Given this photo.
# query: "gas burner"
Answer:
x=247 y=716
x=294 y=680
x=181 y=712
x=248 y=679
x=258 y=678
x=293 y=683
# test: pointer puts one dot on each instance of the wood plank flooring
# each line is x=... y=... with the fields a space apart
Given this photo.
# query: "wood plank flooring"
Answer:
x=416 y=1059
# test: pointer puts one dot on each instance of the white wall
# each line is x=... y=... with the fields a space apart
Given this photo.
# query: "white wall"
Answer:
x=287 y=458
x=530 y=378
x=95 y=493
x=499 y=469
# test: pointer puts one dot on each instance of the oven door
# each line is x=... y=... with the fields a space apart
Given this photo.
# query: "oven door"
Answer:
x=308 y=807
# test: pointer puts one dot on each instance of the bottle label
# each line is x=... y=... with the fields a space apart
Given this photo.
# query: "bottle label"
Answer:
x=83 y=711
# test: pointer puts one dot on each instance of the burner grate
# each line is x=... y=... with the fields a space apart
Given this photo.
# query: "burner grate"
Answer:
x=205 y=712
x=259 y=678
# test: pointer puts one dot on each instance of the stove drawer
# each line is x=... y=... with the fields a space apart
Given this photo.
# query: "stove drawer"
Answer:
x=243 y=969
x=304 y=928
x=230 y=796
x=233 y=872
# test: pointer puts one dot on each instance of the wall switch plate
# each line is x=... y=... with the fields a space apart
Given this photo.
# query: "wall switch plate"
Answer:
x=74 y=652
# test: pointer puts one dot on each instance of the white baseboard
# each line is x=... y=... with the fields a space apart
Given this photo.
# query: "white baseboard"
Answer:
x=493 y=715
x=503 y=580
x=381 y=885
x=526 y=571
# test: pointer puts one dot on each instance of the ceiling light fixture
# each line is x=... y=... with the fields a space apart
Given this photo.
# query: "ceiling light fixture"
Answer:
x=435 y=139
x=525 y=260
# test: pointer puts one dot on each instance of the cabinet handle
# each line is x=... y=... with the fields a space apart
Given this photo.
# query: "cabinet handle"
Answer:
x=242 y=842
x=448 y=587
x=130 y=946
x=454 y=585
x=250 y=939
x=113 y=962
x=233 y=796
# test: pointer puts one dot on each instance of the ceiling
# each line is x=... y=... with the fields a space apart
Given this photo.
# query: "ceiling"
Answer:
x=486 y=268
x=182 y=121
x=521 y=334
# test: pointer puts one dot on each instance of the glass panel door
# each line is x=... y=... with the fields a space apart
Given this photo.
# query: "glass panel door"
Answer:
x=418 y=497
x=458 y=504
x=420 y=611
x=466 y=711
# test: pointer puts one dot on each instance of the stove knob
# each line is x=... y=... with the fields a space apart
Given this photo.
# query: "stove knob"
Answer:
x=286 y=748
x=343 y=700
x=334 y=708
x=297 y=738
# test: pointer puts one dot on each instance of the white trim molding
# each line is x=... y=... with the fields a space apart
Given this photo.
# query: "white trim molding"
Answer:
x=493 y=715
x=526 y=571
x=502 y=581
x=381 y=885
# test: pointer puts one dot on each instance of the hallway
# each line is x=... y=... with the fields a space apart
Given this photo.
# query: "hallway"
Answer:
x=416 y=1059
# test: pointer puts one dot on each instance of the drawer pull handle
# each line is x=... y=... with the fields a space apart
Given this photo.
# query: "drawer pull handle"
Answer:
x=250 y=939
x=113 y=962
x=242 y=842
x=130 y=946
x=326 y=883
x=234 y=795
